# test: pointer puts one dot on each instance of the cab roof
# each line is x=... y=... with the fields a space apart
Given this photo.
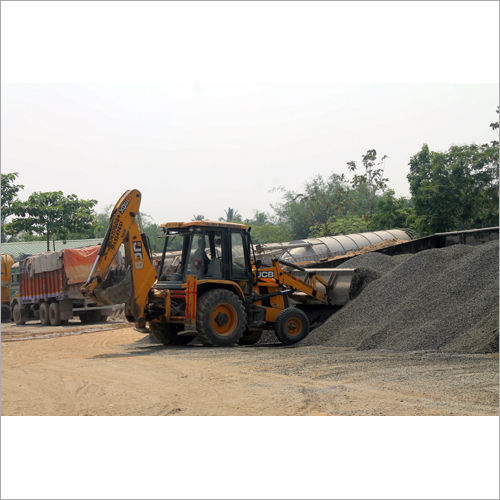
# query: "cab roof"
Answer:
x=203 y=223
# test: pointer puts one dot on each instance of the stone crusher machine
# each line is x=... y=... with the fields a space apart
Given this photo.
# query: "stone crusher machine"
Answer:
x=218 y=291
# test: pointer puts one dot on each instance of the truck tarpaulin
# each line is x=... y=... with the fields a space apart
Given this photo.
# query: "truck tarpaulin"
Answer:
x=78 y=262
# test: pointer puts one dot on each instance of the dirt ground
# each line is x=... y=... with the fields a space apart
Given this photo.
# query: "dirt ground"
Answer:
x=111 y=369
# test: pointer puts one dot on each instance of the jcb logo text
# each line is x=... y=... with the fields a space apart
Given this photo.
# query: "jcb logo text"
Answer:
x=138 y=261
x=265 y=274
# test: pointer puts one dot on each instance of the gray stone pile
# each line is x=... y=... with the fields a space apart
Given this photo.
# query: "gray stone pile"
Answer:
x=440 y=299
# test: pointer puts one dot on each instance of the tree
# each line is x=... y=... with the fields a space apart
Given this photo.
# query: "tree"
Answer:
x=101 y=222
x=321 y=200
x=392 y=212
x=259 y=219
x=9 y=197
x=346 y=224
x=270 y=233
x=494 y=126
x=372 y=180
x=52 y=214
x=153 y=232
x=232 y=215
x=198 y=217
x=456 y=189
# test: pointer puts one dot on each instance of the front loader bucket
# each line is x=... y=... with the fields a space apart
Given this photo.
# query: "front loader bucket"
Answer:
x=117 y=288
x=340 y=283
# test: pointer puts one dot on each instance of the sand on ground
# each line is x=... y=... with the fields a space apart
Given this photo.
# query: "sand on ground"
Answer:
x=111 y=369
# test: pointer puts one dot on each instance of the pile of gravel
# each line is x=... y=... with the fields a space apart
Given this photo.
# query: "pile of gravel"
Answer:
x=371 y=266
x=440 y=299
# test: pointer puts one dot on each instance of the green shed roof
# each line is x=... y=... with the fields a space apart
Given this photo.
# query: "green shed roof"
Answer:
x=20 y=249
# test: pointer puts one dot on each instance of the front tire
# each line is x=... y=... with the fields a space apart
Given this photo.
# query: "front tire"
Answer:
x=220 y=318
x=44 y=314
x=291 y=326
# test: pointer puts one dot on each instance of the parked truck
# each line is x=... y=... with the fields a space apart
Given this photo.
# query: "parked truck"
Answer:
x=7 y=263
x=46 y=287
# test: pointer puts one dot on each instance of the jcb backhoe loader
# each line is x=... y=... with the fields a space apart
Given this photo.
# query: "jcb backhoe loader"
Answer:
x=218 y=291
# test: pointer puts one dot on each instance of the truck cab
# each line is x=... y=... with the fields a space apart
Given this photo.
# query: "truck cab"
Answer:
x=7 y=263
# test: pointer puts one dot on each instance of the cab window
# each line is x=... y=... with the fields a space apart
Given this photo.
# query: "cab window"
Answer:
x=239 y=268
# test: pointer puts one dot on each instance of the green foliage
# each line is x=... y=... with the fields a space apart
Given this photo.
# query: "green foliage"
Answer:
x=392 y=212
x=259 y=219
x=321 y=199
x=153 y=232
x=347 y=224
x=372 y=180
x=455 y=190
x=494 y=126
x=100 y=223
x=28 y=237
x=270 y=233
x=198 y=217
x=53 y=215
x=9 y=198
x=232 y=215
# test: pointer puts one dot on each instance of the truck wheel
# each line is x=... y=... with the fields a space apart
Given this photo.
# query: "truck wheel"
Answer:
x=5 y=313
x=220 y=318
x=291 y=326
x=84 y=319
x=55 y=314
x=93 y=316
x=89 y=317
x=16 y=314
x=166 y=334
x=44 y=314
x=250 y=337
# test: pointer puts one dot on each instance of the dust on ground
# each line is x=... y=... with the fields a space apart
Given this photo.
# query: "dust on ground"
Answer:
x=120 y=372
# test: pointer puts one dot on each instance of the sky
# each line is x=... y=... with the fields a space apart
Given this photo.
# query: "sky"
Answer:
x=208 y=106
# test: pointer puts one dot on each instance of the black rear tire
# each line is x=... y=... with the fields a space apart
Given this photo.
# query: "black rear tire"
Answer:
x=291 y=326
x=44 y=314
x=17 y=314
x=84 y=319
x=250 y=337
x=5 y=313
x=91 y=316
x=167 y=334
x=220 y=318
x=55 y=314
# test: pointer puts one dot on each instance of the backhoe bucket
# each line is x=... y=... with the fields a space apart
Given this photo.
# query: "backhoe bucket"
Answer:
x=117 y=288
x=341 y=284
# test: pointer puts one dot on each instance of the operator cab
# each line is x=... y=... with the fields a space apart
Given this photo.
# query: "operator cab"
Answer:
x=208 y=250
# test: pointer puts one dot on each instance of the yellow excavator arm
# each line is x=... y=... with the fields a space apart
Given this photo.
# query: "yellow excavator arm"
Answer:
x=140 y=274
